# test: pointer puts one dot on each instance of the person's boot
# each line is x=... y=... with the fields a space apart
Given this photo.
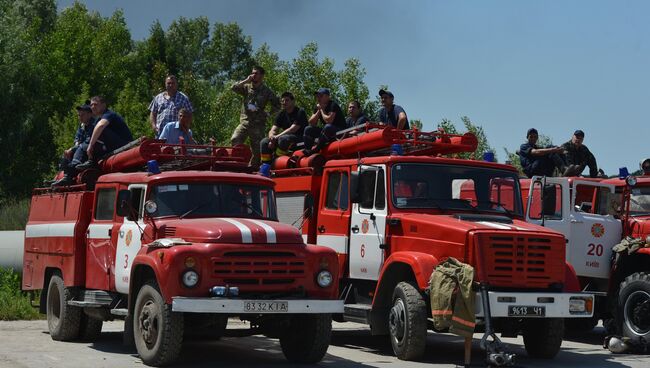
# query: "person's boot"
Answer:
x=64 y=181
x=572 y=170
x=87 y=165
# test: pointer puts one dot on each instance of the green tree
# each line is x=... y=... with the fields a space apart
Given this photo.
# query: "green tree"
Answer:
x=483 y=145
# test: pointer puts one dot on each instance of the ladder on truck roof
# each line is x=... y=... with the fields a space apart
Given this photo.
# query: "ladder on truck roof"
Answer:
x=134 y=156
x=372 y=139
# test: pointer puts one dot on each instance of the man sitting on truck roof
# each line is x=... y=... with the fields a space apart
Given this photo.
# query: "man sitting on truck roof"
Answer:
x=579 y=155
x=355 y=114
x=391 y=114
x=173 y=131
x=645 y=167
x=287 y=130
x=539 y=161
x=110 y=133
x=330 y=114
x=77 y=153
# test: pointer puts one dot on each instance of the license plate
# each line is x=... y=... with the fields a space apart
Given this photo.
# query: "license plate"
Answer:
x=526 y=311
x=266 y=307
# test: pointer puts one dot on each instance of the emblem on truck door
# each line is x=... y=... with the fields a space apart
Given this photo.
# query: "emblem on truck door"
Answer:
x=364 y=226
x=129 y=237
x=597 y=230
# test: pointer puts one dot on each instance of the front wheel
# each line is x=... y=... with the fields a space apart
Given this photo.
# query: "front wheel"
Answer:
x=307 y=338
x=158 y=331
x=633 y=309
x=407 y=322
x=543 y=337
x=62 y=319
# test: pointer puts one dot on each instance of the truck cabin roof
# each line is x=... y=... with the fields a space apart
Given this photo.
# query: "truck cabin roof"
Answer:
x=641 y=181
x=185 y=176
x=420 y=159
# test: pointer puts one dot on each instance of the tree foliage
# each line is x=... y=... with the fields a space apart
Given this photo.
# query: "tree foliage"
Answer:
x=483 y=145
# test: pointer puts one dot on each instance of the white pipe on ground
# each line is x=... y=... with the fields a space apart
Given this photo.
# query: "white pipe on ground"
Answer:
x=12 y=244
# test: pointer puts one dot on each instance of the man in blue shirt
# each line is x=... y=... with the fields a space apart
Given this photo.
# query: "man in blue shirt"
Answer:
x=391 y=114
x=77 y=153
x=110 y=133
x=166 y=105
x=355 y=114
x=173 y=131
x=537 y=160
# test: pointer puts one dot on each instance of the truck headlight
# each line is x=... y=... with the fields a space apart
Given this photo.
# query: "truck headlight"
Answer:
x=580 y=305
x=324 y=278
x=190 y=278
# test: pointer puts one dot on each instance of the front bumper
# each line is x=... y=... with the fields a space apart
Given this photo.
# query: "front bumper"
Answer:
x=243 y=306
x=556 y=305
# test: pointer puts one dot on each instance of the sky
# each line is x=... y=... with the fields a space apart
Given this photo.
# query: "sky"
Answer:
x=557 y=66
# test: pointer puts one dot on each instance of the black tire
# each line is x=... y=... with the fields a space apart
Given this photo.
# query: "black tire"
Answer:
x=580 y=324
x=407 y=322
x=62 y=319
x=543 y=337
x=89 y=328
x=307 y=338
x=633 y=308
x=158 y=331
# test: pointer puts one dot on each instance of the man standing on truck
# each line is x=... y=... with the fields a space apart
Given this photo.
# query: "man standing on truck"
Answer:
x=166 y=105
x=391 y=114
x=330 y=114
x=173 y=131
x=109 y=134
x=287 y=130
x=539 y=161
x=252 y=120
x=579 y=155
x=77 y=153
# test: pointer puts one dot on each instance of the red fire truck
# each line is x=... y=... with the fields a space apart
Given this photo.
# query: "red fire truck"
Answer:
x=393 y=209
x=175 y=253
x=595 y=215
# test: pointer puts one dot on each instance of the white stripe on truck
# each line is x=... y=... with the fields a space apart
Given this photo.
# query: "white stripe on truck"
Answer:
x=270 y=232
x=65 y=229
x=246 y=234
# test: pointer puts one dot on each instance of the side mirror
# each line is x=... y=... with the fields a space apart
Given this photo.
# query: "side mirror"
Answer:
x=309 y=205
x=549 y=203
x=124 y=203
x=354 y=186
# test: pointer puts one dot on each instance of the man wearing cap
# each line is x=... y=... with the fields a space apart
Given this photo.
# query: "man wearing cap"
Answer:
x=579 y=155
x=287 y=130
x=330 y=114
x=77 y=153
x=252 y=120
x=355 y=115
x=391 y=114
x=165 y=106
x=645 y=167
x=539 y=161
x=173 y=131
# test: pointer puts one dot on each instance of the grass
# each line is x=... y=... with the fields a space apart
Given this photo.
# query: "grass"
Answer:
x=14 y=304
x=13 y=214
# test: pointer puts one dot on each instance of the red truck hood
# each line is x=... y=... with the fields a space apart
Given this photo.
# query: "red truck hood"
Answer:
x=462 y=223
x=229 y=230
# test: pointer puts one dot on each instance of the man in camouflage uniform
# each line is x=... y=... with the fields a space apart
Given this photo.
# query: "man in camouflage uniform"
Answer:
x=578 y=154
x=252 y=121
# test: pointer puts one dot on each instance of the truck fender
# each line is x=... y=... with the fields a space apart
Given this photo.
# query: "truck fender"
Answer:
x=143 y=269
x=415 y=267
x=571 y=282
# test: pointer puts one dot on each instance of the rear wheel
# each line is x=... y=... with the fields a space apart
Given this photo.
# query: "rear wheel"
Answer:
x=407 y=322
x=543 y=337
x=158 y=331
x=62 y=319
x=633 y=309
x=307 y=338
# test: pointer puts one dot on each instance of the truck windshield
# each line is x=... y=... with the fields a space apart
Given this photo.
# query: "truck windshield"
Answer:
x=214 y=200
x=449 y=187
x=640 y=201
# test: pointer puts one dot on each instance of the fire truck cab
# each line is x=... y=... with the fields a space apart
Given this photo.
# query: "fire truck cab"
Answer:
x=393 y=209
x=595 y=215
x=175 y=253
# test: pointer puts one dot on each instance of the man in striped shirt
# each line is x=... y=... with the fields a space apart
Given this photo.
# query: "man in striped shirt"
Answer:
x=165 y=106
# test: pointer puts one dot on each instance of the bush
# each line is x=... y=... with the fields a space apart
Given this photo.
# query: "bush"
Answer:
x=14 y=304
x=13 y=214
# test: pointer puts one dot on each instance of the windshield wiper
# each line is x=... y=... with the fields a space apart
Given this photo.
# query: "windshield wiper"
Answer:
x=194 y=209
x=499 y=206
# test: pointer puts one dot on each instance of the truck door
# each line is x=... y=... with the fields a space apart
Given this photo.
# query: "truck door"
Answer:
x=101 y=236
x=368 y=224
x=548 y=204
x=593 y=231
x=129 y=238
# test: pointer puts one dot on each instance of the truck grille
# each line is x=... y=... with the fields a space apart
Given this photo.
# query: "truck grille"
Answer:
x=522 y=261
x=258 y=268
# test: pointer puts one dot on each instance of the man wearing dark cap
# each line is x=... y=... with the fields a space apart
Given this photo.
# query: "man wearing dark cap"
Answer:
x=77 y=153
x=330 y=114
x=391 y=114
x=539 y=161
x=579 y=155
x=645 y=167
